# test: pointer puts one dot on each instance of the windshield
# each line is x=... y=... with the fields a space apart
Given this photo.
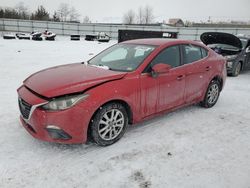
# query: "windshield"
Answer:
x=243 y=42
x=122 y=57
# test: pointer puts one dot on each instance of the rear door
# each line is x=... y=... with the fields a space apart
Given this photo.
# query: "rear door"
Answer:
x=198 y=71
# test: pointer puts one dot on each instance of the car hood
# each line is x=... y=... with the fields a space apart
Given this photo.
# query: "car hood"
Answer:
x=67 y=79
x=220 y=38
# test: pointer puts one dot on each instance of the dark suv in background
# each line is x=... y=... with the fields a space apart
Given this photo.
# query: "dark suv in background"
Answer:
x=235 y=49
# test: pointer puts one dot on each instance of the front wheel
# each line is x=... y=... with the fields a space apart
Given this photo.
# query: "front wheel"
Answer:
x=212 y=94
x=109 y=124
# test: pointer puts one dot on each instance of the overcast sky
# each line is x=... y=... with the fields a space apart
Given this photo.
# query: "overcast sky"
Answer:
x=113 y=10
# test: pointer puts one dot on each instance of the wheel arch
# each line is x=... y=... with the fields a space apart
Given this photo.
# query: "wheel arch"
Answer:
x=219 y=79
x=120 y=101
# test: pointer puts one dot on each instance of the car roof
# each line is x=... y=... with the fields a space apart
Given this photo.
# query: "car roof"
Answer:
x=160 y=41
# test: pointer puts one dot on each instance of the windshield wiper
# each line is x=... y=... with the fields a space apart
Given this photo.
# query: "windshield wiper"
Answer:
x=101 y=66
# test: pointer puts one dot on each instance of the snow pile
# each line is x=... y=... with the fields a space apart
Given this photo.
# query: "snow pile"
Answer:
x=192 y=147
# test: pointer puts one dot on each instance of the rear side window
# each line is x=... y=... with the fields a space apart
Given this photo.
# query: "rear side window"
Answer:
x=170 y=56
x=204 y=52
x=193 y=53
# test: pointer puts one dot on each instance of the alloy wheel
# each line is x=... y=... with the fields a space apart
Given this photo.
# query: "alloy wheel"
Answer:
x=213 y=94
x=111 y=124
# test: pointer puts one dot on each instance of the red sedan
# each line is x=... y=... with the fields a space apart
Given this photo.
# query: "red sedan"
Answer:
x=126 y=83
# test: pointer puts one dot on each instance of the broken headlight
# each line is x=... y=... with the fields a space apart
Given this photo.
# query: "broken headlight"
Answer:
x=64 y=103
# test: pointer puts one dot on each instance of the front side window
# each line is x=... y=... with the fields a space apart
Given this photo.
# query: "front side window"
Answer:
x=122 y=57
x=170 y=56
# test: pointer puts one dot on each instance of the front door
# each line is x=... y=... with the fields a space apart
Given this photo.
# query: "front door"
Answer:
x=149 y=94
x=164 y=91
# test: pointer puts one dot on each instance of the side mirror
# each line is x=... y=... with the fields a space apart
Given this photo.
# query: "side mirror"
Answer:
x=248 y=49
x=160 y=68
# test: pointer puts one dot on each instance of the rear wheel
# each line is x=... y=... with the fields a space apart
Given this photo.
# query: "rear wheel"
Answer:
x=212 y=94
x=236 y=70
x=109 y=124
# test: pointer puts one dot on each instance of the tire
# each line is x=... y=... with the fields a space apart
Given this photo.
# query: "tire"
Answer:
x=212 y=94
x=109 y=124
x=236 y=70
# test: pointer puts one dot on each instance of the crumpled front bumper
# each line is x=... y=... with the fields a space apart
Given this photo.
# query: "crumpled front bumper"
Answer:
x=73 y=121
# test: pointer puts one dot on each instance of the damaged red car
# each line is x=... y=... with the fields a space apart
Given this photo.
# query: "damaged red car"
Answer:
x=125 y=84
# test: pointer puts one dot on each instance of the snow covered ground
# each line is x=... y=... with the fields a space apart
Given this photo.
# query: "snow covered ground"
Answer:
x=192 y=147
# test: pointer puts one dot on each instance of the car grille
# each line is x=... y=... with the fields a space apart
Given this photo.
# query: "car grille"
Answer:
x=24 y=108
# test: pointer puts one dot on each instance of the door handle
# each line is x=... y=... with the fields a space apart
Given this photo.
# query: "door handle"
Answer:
x=180 y=77
x=208 y=68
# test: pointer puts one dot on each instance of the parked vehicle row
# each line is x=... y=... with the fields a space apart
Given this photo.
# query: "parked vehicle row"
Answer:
x=46 y=35
x=125 y=84
x=38 y=36
x=100 y=37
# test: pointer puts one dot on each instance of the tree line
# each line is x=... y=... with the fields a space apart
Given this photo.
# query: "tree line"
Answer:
x=144 y=15
x=64 y=13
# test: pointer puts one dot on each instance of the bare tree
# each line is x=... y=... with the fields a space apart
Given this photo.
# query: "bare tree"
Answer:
x=129 y=17
x=55 y=17
x=20 y=7
x=148 y=15
x=41 y=14
x=73 y=14
x=22 y=10
x=86 y=19
x=63 y=11
x=140 y=15
x=188 y=23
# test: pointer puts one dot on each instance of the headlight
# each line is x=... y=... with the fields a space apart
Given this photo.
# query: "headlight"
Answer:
x=64 y=102
x=230 y=57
